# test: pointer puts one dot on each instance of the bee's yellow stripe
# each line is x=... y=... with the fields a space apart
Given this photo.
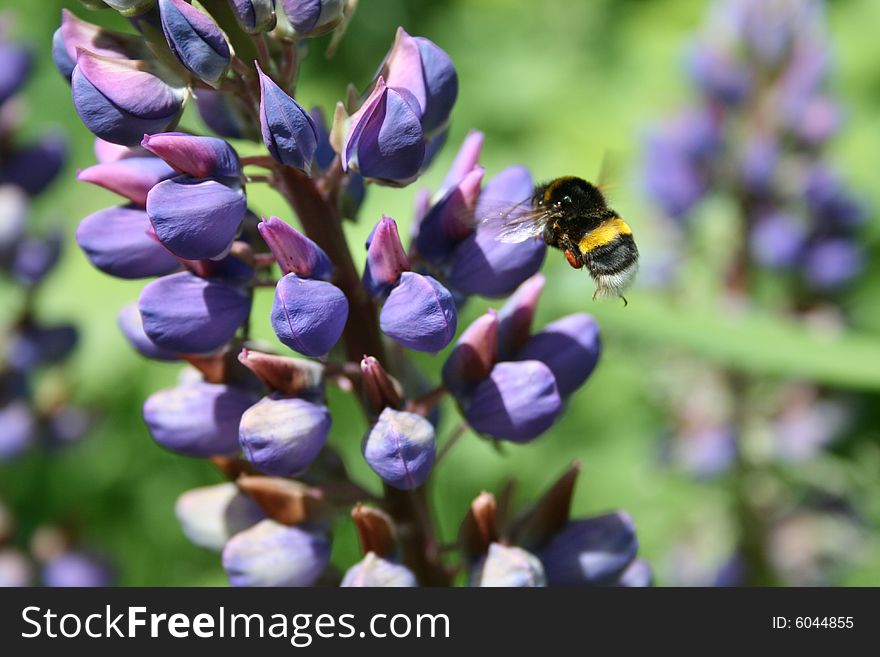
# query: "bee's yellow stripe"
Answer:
x=604 y=234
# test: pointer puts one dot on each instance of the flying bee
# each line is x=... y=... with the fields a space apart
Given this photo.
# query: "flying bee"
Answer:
x=573 y=216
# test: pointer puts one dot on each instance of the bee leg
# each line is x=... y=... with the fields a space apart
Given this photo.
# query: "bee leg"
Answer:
x=625 y=302
x=595 y=293
x=573 y=259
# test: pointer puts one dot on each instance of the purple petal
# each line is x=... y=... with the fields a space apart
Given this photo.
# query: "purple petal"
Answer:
x=106 y=152
x=35 y=257
x=77 y=569
x=18 y=429
x=199 y=157
x=211 y=515
x=224 y=114
x=637 y=575
x=132 y=327
x=120 y=102
x=293 y=251
x=131 y=177
x=570 y=347
x=187 y=314
x=308 y=315
x=386 y=259
x=441 y=85
x=196 y=219
x=288 y=131
x=33 y=346
x=400 y=448
x=324 y=153
x=194 y=39
x=281 y=435
x=590 y=551
x=313 y=17
x=466 y=160
x=270 y=554
x=116 y=241
x=75 y=34
x=516 y=316
x=13 y=215
x=474 y=355
x=450 y=221
x=419 y=313
x=832 y=263
x=483 y=265
x=197 y=419
x=777 y=240
x=518 y=402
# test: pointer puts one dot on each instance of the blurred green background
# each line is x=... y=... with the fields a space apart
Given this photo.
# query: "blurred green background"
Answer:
x=554 y=85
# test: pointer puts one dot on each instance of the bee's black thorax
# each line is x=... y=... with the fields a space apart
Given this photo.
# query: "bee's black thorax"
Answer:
x=577 y=206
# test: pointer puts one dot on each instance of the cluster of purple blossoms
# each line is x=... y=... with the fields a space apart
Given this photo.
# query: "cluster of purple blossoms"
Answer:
x=52 y=558
x=28 y=417
x=263 y=417
x=757 y=133
x=756 y=139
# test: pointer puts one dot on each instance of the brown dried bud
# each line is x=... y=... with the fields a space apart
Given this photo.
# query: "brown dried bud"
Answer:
x=381 y=390
x=285 y=501
x=549 y=514
x=289 y=376
x=375 y=530
x=480 y=527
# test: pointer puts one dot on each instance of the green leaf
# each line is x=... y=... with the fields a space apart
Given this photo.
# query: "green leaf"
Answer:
x=747 y=341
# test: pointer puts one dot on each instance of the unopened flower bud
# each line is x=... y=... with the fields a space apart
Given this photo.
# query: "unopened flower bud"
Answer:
x=516 y=316
x=449 y=221
x=199 y=157
x=293 y=251
x=288 y=376
x=311 y=18
x=308 y=315
x=400 y=448
x=285 y=501
x=281 y=436
x=76 y=33
x=384 y=140
x=386 y=259
x=211 y=515
x=474 y=355
x=374 y=571
x=255 y=15
x=288 y=131
x=419 y=313
x=508 y=566
x=380 y=388
x=194 y=39
x=271 y=554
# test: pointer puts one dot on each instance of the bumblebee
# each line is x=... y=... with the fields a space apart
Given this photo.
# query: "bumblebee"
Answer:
x=573 y=216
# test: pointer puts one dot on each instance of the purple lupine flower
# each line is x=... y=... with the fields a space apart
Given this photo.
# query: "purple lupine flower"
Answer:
x=516 y=317
x=34 y=345
x=15 y=569
x=131 y=177
x=33 y=166
x=482 y=264
x=400 y=448
x=75 y=33
x=427 y=72
x=719 y=75
x=448 y=222
x=16 y=66
x=211 y=515
x=197 y=419
x=13 y=215
x=376 y=571
x=224 y=114
x=255 y=15
x=308 y=315
x=777 y=240
x=474 y=356
x=419 y=313
x=294 y=252
x=705 y=449
x=271 y=554
x=35 y=257
x=466 y=160
x=121 y=100
x=517 y=402
x=187 y=314
x=282 y=435
x=508 y=566
x=117 y=241
x=758 y=164
x=311 y=18
x=77 y=569
x=132 y=327
x=194 y=39
x=384 y=140
x=637 y=575
x=832 y=263
x=590 y=551
x=288 y=131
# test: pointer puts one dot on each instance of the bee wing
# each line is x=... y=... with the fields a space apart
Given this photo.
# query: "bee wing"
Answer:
x=512 y=223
